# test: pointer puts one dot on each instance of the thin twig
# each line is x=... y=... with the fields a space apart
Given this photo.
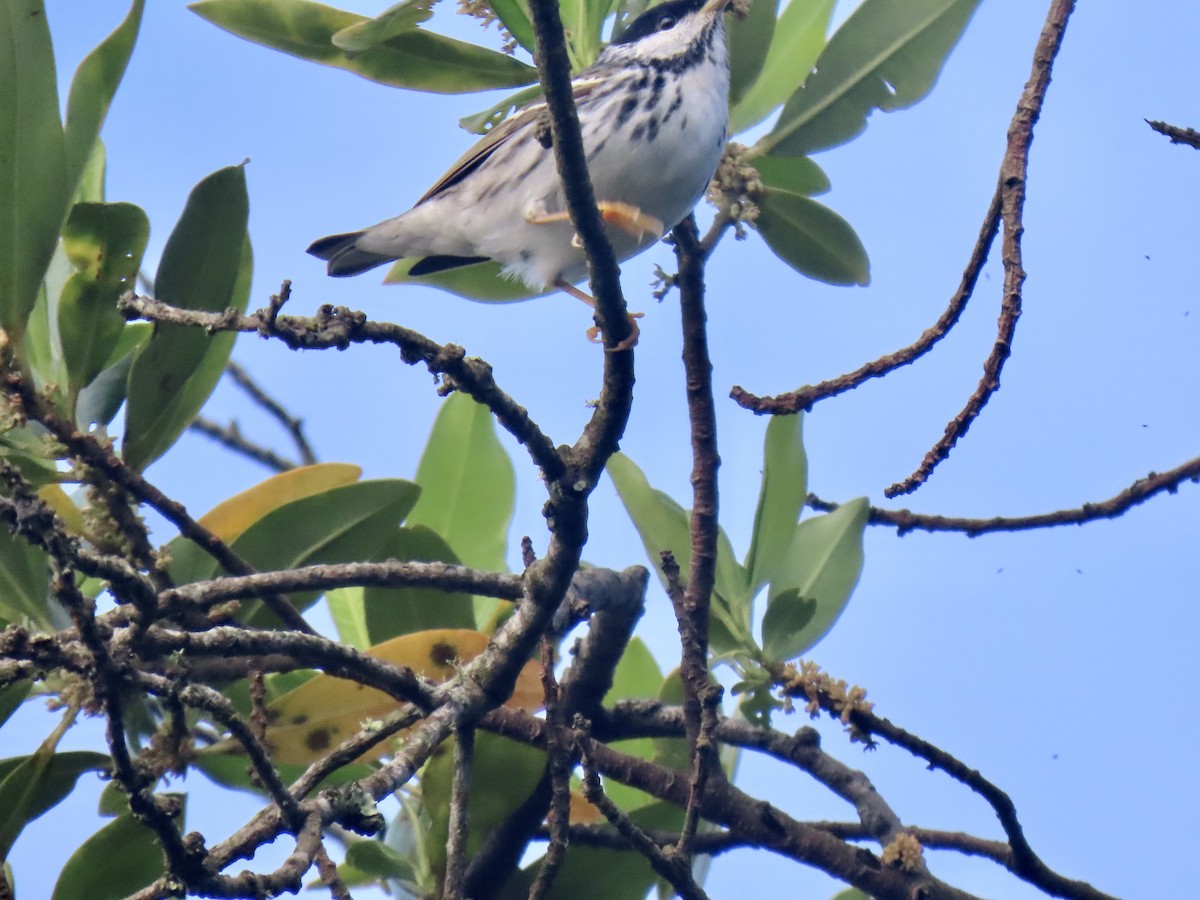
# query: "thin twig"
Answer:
x=558 y=766
x=460 y=812
x=1188 y=136
x=805 y=398
x=692 y=617
x=675 y=869
x=1140 y=491
x=293 y=424
x=335 y=328
x=231 y=437
x=1013 y=174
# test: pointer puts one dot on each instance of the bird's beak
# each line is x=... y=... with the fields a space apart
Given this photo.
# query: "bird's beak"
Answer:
x=714 y=7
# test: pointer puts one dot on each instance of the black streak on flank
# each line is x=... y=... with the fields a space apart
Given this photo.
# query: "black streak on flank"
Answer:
x=676 y=104
x=651 y=129
x=628 y=107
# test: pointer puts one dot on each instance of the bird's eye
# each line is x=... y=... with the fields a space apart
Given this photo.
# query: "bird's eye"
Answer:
x=666 y=23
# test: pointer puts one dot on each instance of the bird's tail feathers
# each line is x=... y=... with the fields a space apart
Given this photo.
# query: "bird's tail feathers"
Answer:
x=345 y=257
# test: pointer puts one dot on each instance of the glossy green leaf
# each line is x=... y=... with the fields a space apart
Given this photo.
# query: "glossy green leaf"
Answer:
x=812 y=239
x=206 y=265
x=392 y=21
x=379 y=860
x=749 y=39
x=27 y=449
x=348 y=609
x=662 y=524
x=503 y=772
x=104 y=242
x=24 y=582
x=43 y=350
x=99 y=401
x=482 y=122
x=389 y=612
x=594 y=873
x=799 y=37
x=797 y=175
x=416 y=59
x=637 y=676
x=230 y=770
x=851 y=894
x=886 y=56
x=467 y=484
x=481 y=281
x=92 y=90
x=12 y=695
x=583 y=21
x=780 y=498
x=514 y=16
x=118 y=860
x=33 y=165
x=35 y=783
x=346 y=524
x=814 y=585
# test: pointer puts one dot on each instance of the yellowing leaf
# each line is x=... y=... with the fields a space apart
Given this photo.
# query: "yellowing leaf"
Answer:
x=314 y=718
x=583 y=813
x=230 y=518
x=56 y=498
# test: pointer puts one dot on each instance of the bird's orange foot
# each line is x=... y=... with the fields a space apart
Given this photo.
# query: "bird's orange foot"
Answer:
x=593 y=334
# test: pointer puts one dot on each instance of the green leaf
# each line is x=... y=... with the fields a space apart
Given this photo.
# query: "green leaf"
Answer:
x=503 y=773
x=780 y=499
x=481 y=281
x=43 y=348
x=389 y=612
x=514 y=16
x=38 y=782
x=379 y=860
x=416 y=59
x=812 y=239
x=797 y=42
x=12 y=696
x=99 y=401
x=851 y=894
x=230 y=770
x=33 y=166
x=886 y=56
x=484 y=121
x=595 y=873
x=392 y=21
x=662 y=524
x=583 y=21
x=749 y=39
x=346 y=524
x=346 y=606
x=118 y=860
x=24 y=582
x=104 y=242
x=797 y=175
x=822 y=567
x=92 y=90
x=206 y=265
x=467 y=484
x=637 y=676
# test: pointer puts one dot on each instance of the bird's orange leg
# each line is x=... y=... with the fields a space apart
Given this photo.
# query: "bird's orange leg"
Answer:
x=625 y=216
x=593 y=333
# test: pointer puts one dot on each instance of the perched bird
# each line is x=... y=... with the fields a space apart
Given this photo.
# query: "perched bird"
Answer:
x=653 y=111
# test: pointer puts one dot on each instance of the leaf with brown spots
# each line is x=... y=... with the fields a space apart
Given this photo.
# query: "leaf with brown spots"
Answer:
x=312 y=719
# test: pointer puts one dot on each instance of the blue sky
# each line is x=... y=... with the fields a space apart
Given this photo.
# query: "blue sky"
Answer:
x=1059 y=663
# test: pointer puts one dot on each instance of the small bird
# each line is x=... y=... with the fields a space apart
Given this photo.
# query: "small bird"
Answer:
x=653 y=112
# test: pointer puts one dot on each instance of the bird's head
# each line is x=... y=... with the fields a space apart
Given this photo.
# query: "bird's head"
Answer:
x=674 y=33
